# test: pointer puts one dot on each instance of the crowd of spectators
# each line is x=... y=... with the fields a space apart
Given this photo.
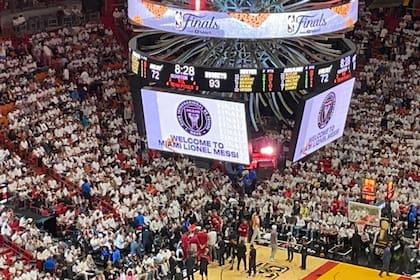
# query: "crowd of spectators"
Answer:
x=22 y=231
x=73 y=111
x=6 y=5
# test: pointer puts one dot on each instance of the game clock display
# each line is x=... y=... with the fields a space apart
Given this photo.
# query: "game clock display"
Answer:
x=199 y=78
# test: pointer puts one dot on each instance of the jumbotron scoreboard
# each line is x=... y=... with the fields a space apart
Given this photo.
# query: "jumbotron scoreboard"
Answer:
x=277 y=55
x=205 y=78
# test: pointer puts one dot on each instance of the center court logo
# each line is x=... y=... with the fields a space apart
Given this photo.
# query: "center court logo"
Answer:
x=327 y=109
x=193 y=117
x=271 y=271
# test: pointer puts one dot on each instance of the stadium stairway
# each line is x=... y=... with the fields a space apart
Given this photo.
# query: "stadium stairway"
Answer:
x=11 y=253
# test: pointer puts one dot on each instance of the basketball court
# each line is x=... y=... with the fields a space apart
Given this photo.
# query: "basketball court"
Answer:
x=316 y=268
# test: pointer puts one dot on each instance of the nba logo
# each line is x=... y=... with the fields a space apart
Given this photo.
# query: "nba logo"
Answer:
x=178 y=20
x=291 y=24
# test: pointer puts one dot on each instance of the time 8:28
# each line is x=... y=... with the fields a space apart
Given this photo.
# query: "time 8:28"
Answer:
x=184 y=70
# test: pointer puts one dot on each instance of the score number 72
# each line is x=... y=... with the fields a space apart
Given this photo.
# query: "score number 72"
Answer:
x=155 y=74
x=324 y=77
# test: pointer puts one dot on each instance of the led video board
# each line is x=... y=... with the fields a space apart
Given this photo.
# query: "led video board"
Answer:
x=242 y=25
x=196 y=126
x=322 y=120
x=202 y=78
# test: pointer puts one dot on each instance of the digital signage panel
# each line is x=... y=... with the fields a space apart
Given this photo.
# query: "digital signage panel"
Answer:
x=323 y=119
x=196 y=126
x=202 y=78
x=242 y=25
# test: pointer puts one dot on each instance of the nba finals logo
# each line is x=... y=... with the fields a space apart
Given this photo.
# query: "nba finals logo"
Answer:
x=193 y=117
x=179 y=20
x=198 y=23
x=305 y=24
x=326 y=111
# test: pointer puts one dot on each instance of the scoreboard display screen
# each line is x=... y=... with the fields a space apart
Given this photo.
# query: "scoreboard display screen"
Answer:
x=201 y=78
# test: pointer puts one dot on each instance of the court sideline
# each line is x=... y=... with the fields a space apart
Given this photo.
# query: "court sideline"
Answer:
x=317 y=268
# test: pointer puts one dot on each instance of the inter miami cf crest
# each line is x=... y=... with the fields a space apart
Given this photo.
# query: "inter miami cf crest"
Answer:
x=326 y=111
x=193 y=117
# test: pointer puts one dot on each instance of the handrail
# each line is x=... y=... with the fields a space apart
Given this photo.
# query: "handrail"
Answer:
x=27 y=255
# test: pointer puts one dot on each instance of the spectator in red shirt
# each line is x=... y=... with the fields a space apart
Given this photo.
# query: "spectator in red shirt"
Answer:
x=185 y=244
x=60 y=209
x=335 y=206
x=203 y=240
x=243 y=231
x=216 y=221
x=288 y=193
x=44 y=212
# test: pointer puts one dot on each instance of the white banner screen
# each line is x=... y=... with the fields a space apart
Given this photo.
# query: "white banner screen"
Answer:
x=196 y=126
x=323 y=120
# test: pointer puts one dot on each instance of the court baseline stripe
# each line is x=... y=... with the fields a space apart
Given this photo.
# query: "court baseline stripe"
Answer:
x=321 y=270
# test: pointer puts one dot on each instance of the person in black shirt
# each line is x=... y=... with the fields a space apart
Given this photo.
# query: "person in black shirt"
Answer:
x=189 y=264
x=241 y=253
x=252 y=265
x=304 y=253
x=147 y=240
x=356 y=243
x=178 y=273
x=204 y=263
x=172 y=265
x=231 y=250
x=221 y=251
